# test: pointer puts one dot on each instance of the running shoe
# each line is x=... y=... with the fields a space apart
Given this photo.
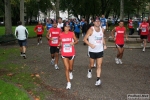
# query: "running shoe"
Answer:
x=52 y=61
x=68 y=85
x=89 y=75
x=56 y=67
x=98 y=82
x=24 y=56
x=117 y=61
x=21 y=55
x=120 y=62
x=41 y=41
x=143 y=50
x=70 y=75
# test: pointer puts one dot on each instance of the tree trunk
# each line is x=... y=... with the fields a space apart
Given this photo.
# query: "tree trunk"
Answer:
x=121 y=9
x=8 y=22
x=57 y=8
x=22 y=11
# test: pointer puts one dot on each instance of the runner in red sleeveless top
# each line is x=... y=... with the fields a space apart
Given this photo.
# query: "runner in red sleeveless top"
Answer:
x=130 y=26
x=144 y=32
x=53 y=37
x=39 y=30
x=119 y=40
x=67 y=41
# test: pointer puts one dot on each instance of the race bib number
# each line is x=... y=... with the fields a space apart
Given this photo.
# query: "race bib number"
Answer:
x=39 y=30
x=130 y=24
x=55 y=40
x=143 y=29
x=98 y=40
x=67 y=48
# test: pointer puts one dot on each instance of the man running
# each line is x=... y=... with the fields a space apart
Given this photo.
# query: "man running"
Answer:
x=119 y=40
x=144 y=26
x=21 y=34
x=130 y=26
x=60 y=23
x=49 y=25
x=39 y=30
x=53 y=37
x=103 y=22
x=96 y=45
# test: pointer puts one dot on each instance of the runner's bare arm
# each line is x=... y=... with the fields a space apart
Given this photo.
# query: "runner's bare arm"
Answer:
x=104 y=42
x=75 y=40
x=89 y=33
x=47 y=35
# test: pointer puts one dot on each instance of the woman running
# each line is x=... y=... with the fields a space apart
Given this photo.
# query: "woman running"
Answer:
x=67 y=41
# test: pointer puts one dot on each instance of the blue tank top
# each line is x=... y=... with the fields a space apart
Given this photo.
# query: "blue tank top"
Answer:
x=103 y=21
x=77 y=28
x=48 y=26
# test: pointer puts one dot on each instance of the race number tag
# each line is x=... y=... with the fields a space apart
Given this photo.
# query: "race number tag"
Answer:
x=98 y=40
x=67 y=48
x=131 y=24
x=143 y=29
x=54 y=40
x=39 y=30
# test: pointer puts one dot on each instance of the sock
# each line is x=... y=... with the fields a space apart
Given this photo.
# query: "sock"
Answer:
x=21 y=53
x=98 y=78
x=53 y=59
x=55 y=64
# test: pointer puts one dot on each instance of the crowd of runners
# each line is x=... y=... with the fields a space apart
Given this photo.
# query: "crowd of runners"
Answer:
x=63 y=36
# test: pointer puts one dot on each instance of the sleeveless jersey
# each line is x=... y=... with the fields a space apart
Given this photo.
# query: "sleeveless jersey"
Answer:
x=130 y=25
x=39 y=29
x=96 y=39
x=103 y=21
x=66 y=48
x=144 y=28
x=120 y=31
x=54 y=34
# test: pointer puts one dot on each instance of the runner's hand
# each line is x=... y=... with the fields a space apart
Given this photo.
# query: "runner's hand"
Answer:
x=71 y=43
x=114 y=39
x=127 y=39
x=105 y=47
x=92 y=46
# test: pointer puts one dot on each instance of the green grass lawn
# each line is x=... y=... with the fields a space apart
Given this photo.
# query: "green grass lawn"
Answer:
x=18 y=75
x=11 y=92
x=29 y=28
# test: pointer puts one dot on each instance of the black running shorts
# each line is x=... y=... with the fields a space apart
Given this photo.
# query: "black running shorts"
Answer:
x=54 y=49
x=95 y=55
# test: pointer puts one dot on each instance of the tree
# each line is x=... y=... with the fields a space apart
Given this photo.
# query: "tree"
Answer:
x=8 y=24
x=22 y=11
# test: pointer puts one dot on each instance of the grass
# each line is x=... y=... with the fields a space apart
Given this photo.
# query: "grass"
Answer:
x=18 y=75
x=29 y=28
x=11 y=92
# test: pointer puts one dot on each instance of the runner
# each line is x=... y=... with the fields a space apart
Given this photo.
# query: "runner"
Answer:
x=53 y=37
x=130 y=26
x=81 y=24
x=103 y=22
x=39 y=30
x=21 y=34
x=96 y=42
x=68 y=40
x=119 y=40
x=77 y=29
x=144 y=26
x=60 y=23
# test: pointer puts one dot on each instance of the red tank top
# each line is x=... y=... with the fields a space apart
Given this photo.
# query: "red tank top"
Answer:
x=39 y=29
x=66 y=48
x=130 y=25
x=54 y=34
x=120 y=35
x=144 y=28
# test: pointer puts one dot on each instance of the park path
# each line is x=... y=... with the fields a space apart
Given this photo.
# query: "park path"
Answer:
x=132 y=77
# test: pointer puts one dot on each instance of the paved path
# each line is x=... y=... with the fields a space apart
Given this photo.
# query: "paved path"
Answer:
x=132 y=77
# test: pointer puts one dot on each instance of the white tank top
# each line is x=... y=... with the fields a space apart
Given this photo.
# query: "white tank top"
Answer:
x=97 y=39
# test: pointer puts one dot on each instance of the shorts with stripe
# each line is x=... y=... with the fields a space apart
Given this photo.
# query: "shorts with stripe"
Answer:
x=69 y=57
x=119 y=45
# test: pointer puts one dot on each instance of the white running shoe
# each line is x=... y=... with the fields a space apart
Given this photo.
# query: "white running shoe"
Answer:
x=21 y=55
x=117 y=61
x=41 y=41
x=120 y=62
x=143 y=50
x=68 y=85
x=56 y=67
x=24 y=56
x=89 y=75
x=70 y=75
x=38 y=43
x=52 y=61
x=98 y=82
